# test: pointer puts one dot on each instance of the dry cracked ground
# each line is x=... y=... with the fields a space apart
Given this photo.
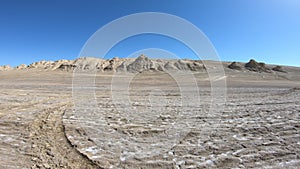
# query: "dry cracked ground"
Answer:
x=42 y=127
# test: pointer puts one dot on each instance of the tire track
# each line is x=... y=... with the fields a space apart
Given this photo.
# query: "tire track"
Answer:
x=49 y=146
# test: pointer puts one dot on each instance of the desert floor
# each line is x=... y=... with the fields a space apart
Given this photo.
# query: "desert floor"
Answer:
x=44 y=123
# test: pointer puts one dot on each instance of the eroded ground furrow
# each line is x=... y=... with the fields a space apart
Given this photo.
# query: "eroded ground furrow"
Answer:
x=49 y=146
x=31 y=131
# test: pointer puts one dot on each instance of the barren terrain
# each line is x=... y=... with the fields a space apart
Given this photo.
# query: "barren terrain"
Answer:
x=42 y=126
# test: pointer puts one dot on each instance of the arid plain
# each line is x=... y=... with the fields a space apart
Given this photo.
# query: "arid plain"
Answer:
x=42 y=126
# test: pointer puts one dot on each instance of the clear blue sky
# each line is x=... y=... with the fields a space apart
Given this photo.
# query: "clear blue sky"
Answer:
x=266 y=30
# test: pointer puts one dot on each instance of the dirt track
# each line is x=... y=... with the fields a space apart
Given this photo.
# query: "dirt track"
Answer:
x=259 y=126
x=32 y=133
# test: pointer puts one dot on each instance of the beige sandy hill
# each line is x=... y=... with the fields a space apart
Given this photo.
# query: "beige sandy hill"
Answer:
x=41 y=65
x=5 y=68
x=140 y=64
x=143 y=63
x=44 y=65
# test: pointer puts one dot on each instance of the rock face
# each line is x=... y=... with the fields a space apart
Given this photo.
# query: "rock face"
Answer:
x=140 y=64
x=252 y=65
x=196 y=66
x=41 y=65
x=66 y=67
x=136 y=65
x=63 y=65
x=48 y=65
x=21 y=67
x=5 y=68
x=234 y=66
x=279 y=69
x=110 y=65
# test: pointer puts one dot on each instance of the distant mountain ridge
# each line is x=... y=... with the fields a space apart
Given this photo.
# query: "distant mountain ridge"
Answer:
x=139 y=64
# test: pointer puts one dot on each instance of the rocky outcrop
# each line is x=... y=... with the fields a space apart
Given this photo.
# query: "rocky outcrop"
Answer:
x=135 y=65
x=21 y=67
x=5 y=68
x=252 y=65
x=48 y=65
x=112 y=65
x=142 y=63
x=66 y=67
x=63 y=65
x=196 y=66
x=41 y=65
x=87 y=63
x=279 y=69
x=235 y=66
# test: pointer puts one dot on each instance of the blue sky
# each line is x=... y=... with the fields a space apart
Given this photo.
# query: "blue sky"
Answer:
x=265 y=30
